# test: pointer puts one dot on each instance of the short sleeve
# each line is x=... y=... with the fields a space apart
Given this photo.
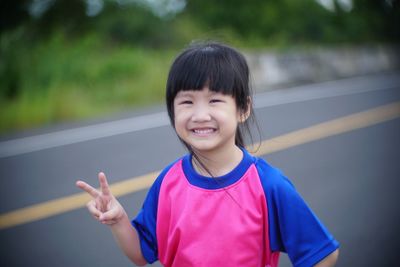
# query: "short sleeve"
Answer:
x=145 y=222
x=293 y=227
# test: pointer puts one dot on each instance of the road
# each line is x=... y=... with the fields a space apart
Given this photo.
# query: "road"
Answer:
x=350 y=178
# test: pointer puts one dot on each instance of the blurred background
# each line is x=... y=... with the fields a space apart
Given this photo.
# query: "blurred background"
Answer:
x=82 y=89
x=78 y=59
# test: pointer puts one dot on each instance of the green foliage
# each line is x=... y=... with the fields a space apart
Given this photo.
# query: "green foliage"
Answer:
x=134 y=25
x=13 y=13
x=293 y=22
x=61 y=80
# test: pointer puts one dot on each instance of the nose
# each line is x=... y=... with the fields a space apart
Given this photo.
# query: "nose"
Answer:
x=200 y=113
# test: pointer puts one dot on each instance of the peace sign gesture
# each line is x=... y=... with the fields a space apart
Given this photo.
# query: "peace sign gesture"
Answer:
x=104 y=206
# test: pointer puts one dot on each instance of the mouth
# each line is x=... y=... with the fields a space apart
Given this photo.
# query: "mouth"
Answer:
x=203 y=131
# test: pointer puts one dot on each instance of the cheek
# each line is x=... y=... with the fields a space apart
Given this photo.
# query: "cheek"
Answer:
x=176 y=113
x=229 y=117
x=180 y=127
x=181 y=112
x=179 y=120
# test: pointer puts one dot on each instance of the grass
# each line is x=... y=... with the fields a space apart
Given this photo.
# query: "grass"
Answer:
x=62 y=80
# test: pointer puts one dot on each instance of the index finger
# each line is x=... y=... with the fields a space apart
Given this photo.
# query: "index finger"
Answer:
x=88 y=188
x=104 y=184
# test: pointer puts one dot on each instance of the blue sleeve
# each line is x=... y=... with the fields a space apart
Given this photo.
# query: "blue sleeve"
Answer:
x=293 y=227
x=145 y=222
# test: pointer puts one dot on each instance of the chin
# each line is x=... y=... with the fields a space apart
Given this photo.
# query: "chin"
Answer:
x=205 y=148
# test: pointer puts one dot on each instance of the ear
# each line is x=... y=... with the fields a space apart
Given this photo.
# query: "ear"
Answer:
x=243 y=116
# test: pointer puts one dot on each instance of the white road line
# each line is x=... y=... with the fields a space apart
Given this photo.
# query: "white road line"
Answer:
x=272 y=98
x=72 y=136
x=322 y=90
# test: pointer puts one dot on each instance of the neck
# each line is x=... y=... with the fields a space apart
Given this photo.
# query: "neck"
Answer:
x=217 y=163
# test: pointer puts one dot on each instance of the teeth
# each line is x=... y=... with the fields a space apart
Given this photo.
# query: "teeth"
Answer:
x=203 y=131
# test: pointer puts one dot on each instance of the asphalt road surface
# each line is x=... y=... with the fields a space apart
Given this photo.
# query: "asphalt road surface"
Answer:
x=350 y=179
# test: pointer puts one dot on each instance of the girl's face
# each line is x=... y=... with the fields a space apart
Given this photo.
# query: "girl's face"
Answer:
x=206 y=120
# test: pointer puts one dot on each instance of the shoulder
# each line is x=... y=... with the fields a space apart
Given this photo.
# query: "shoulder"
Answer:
x=271 y=177
x=165 y=172
x=145 y=222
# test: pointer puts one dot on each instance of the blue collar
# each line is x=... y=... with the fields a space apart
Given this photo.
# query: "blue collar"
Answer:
x=228 y=179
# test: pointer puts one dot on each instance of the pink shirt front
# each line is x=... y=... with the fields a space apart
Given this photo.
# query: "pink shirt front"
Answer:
x=212 y=227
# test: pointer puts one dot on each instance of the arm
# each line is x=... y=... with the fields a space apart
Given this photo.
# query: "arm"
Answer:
x=330 y=260
x=294 y=228
x=105 y=208
x=128 y=240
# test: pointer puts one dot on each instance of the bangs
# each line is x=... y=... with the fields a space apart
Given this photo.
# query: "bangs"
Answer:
x=211 y=66
x=198 y=69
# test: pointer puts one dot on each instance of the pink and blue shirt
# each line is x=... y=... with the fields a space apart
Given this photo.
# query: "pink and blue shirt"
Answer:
x=244 y=218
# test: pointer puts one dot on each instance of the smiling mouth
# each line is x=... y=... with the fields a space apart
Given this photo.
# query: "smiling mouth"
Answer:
x=203 y=131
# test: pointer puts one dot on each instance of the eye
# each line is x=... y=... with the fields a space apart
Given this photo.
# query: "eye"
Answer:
x=185 y=102
x=216 y=100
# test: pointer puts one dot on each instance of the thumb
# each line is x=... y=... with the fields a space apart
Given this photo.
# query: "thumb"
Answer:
x=112 y=214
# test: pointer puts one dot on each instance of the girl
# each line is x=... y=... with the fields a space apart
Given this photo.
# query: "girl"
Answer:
x=218 y=205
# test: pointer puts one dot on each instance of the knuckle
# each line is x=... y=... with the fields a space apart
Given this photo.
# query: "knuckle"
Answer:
x=89 y=205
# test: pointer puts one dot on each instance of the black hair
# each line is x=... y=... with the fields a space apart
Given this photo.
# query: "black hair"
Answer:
x=219 y=67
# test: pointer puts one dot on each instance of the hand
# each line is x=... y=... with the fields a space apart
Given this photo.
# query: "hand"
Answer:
x=104 y=206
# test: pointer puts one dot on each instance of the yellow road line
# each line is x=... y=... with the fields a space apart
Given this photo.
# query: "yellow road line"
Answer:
x=64 y=204
x=329 y=128
x=302 y=136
